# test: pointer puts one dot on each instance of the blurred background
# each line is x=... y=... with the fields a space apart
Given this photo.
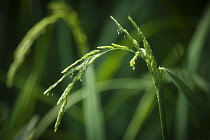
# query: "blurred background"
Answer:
x=113 y=102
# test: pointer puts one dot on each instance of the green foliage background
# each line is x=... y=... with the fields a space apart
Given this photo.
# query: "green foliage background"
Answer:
x=124 y=106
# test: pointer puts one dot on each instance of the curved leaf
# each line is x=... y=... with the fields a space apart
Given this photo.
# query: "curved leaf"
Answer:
x=193 y=99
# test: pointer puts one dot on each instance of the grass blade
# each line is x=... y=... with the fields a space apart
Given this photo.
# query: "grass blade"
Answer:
x=161 y=107
x=193 y=58
x=27 y=133
x=24 y=107
x=142 y=112
x=193 y=99
x=119 y=97
x=25 y=104
x=182 y=110
x=197 y=42
x=52 y=114
x=92 y=108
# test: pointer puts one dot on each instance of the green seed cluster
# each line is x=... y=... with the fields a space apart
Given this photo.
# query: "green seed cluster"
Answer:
x=121 y=29
x=148 y=56
x=25 y=45
x=145 y=53
x=80 y=66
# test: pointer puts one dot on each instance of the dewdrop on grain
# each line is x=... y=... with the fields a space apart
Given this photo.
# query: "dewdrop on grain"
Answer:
x=118 y=32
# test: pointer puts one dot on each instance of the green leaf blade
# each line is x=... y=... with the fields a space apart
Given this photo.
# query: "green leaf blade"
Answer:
x=193 y=99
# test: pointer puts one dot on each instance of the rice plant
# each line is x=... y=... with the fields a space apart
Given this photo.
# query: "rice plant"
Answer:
x=83 y=68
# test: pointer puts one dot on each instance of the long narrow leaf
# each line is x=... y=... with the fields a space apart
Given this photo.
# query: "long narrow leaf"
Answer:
x=197 y=42
x=92 y=108
x=27 y=132
x=144 y=109
x=25 y=104
x=192 y=98
x=51 y=115
x=182 y=108
x=194 y=53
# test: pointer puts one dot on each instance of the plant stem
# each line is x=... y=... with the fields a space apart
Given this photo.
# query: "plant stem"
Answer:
x=161 y=106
